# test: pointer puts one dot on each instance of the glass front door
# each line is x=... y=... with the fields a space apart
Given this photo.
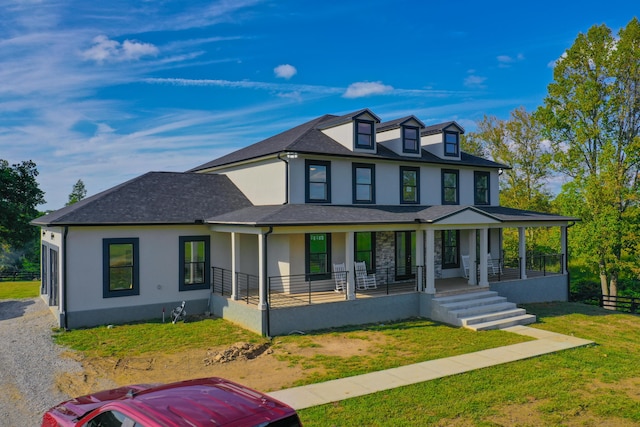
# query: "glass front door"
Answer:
x=405 y=254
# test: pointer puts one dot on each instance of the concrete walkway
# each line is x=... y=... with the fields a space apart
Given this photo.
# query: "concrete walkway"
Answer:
x=359 y=385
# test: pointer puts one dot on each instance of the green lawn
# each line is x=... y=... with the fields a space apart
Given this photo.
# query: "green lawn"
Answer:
x=18 y=290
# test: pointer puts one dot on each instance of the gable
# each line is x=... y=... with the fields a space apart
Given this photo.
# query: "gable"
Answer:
x=467 y=216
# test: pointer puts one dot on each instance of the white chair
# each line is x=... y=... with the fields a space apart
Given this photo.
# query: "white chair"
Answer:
x=364 y=280
x=493 y=268
x=340 y=277
x=465 y=265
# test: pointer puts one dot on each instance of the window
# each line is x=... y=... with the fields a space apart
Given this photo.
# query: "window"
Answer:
x=451 y=145
x=481 y=186
x=449 y=187
x=111 y=419
x=364 y=134
x=318 y=251
x=120 y=272
x=410 y=139
x=409 y=185
x=365 y=247
x=450 y=245
x=364 y=178
x=194 y=262
x=318 y=177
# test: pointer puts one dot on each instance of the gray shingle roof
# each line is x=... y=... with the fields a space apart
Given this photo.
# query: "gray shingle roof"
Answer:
x=307 y=138
x=314 y=214
x=154 y=198
x=438 y=128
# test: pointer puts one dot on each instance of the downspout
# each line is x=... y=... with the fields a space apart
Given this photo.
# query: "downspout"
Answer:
x=286 y=179
x=264 y=272
x=566 y=259
x=64 y=278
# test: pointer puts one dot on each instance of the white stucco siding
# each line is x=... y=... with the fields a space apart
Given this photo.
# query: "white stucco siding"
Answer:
x=467 y=184
x=264 y=183
x=433 y=144
x=341 y=182
x=158 y=266
x=342 y=134
x=387 y=184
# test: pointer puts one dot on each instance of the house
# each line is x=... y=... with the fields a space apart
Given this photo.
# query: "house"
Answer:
x=269 y=236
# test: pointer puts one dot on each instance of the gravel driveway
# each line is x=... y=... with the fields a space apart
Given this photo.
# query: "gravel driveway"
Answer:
x=29 y=362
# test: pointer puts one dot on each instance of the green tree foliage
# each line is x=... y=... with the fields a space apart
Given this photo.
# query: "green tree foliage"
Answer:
x=78 y=193
x=518 y=142
x=19 y=196
x=592 y=117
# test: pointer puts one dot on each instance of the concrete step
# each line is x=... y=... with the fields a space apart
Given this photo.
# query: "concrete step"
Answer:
x=465 y=296
x=525 y=319
x=482 y=309
x=472 y=302
x=489 y=317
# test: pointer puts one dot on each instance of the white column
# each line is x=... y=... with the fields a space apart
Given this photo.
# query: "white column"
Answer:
x=522 y=252
x=484 y=276
x=419 y=256
x=349 y=261
x=430 y=261
x=473 y=278
x=563 y=248
x=262 y=277
x=235 y=263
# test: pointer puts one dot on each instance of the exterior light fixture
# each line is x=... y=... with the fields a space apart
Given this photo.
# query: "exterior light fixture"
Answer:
x=291 y=155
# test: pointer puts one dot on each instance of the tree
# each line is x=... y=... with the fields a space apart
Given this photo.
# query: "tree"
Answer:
x=77 y=193
x=19 y=196
x=592 y=116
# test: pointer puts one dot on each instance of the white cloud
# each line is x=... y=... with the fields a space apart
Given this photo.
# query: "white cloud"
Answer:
x=473 y=81
x=362 y=89
x=285 y=71
x=505 y=61
x=107 y=50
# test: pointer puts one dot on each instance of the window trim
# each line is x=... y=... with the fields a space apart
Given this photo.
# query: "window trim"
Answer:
x=354 y=192
x=207 y=262
x=135 y=289
x=404 y=148
x=404 y=169
x=456 y=145
x=356 y=133
x=307 y=258
x=327 y=165
x=446 y=266
x=476 y=176
x=457 y=174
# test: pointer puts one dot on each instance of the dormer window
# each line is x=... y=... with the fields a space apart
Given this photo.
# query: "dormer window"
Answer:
x=451 y=144
x=410 y=139
x=364 y=134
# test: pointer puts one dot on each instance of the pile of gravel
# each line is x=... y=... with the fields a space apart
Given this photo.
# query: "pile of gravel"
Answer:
x=29 y=362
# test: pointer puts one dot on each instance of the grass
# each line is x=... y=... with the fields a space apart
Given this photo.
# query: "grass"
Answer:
x=19 y=290
x=586 y=386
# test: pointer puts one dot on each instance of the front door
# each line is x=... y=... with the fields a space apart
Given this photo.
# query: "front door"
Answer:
x=405 y=254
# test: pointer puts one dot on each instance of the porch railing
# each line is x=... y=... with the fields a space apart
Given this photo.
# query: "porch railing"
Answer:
x=303 y=289
x=248 y=287
x=504 y=269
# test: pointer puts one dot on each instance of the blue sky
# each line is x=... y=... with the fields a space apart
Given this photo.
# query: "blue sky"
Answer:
x=106 y=91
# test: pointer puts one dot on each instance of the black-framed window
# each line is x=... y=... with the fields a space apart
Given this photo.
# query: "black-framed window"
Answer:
x=410 y=139
x=365 y=249
x=44 y=269
x=120 y=269
x=409 y=184
x=318 y=180
x=364 y=134
x=450 y=248
x=450 y=187
x=364 y=179
x=481 y=188
x=318 y=255
x=451 y=143
x=195 y=262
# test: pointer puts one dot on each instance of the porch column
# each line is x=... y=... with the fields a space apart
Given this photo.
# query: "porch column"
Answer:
x=473 y=278
x=419 y=256
x=522 y=252
x=350 y=264
x=484 y=272
x=262 y=274
x=235 y=263
x=430 y=261
x=563 y=248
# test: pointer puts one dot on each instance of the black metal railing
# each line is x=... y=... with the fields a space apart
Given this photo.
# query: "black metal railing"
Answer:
x=305 y=289
x=222 y=283
x=624 y=304
x=502 y=269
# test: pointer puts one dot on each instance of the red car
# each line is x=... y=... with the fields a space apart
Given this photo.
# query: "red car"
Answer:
x=202 y=402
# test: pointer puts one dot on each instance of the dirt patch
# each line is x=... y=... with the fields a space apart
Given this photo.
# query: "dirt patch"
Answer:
x=265 y=367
